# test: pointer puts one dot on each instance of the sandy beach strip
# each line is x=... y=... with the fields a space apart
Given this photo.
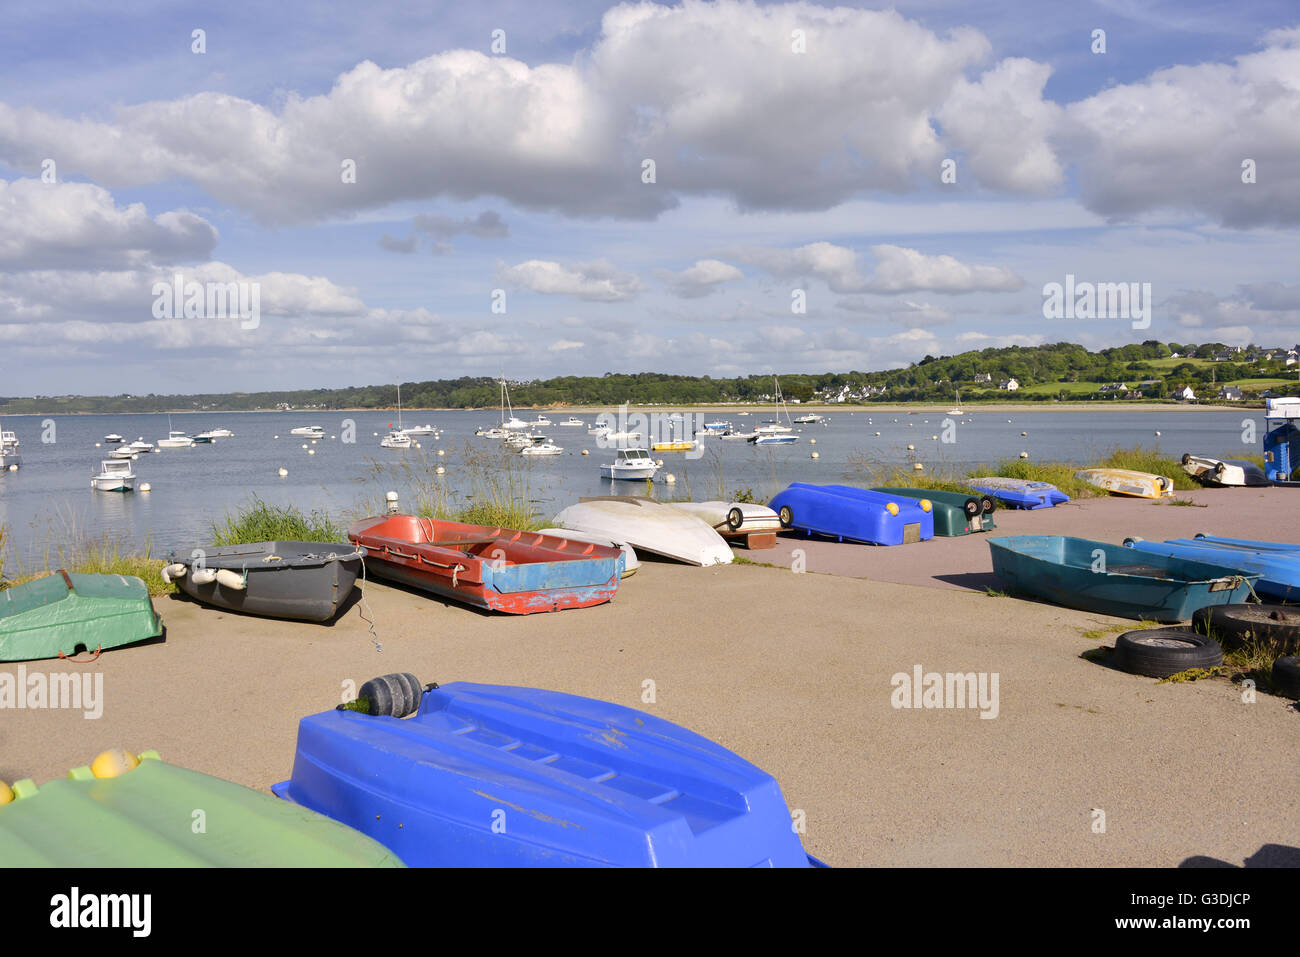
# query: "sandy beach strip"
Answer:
x=792 y=671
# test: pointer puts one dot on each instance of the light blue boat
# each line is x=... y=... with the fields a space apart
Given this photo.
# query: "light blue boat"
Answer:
x=1243 y=543
x=1279 y=571
x=1105 y=578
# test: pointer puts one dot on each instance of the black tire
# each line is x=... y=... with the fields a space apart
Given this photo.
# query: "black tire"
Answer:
x=1236 y=624
x=972 y=507
x=1187 y=457
x=735 y=519
x=987 y=504
x=395 y=695
x=786 y=517
x=1161 y=652
x=1286 y=676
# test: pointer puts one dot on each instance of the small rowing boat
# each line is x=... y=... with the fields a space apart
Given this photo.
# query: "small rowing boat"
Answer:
x=854 y=514
x=63 y=614
x=1128 y=482
x=1019 y=493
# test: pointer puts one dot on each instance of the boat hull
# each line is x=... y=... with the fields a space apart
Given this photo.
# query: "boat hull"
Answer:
x=62 y=614
x=495 y=776
x=1099 y=577
x=1279 y=572
x=1019 y=493
x=495 y=569
x=852 y=514
x=954 y=513
x=310 y=581
x=1128 y=483
x=648 y=526
x=1224 y=473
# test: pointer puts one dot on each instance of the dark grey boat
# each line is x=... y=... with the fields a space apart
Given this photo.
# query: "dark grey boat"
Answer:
x=307 y=581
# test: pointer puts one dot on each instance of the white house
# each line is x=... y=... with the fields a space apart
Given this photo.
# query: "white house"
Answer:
x=1011 y=385
x=1185 y=393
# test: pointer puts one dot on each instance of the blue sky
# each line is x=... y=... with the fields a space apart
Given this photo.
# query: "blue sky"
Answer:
x=777 y=170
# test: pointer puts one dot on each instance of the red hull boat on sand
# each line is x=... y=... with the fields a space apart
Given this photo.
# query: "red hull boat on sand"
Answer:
x=500 y=569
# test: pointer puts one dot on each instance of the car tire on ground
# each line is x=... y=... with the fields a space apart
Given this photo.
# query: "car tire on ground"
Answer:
x=1161 y=652
x=1235 y=624
x=1286 y=676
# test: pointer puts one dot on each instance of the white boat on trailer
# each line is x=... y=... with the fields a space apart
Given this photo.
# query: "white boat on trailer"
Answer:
x=648 y=526
x=115 y=475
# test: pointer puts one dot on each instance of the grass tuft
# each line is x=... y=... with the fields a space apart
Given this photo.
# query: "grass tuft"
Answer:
x=259 y=521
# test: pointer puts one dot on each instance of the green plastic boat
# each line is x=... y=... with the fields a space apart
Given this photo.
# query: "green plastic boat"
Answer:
x=161 y=815
x=65 y=614
x=954 y=513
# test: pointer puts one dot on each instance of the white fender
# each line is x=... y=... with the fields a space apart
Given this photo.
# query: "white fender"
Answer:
x=227 y=578
x=203 y=576
x=173 y=571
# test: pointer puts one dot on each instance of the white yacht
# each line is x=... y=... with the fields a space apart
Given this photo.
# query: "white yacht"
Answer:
x=140 y=445
x=113 y=438
x=10 y=457
x=115 y=475
x=123 y=452
x=312 y=431
x=573 y=422
x=541 y=448
x=211 y=434
x=630 y=464
x=395 y=440
x=425 y=429
x=808 y=418
x=176 y=440
x=773 y=438
x=957 y=409
x=540 y=421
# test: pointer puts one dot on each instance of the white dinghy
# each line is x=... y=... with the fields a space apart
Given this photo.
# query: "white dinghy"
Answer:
x=728 y=518
x=648 y=526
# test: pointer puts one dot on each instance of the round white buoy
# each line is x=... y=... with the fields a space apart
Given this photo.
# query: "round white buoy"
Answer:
x=96 y=445
x=441 y=470
x=1157 y=433
x=659 y=462
x=911 y=448
x=304 y=445
x=670 y=478
x=333 y=436
x=877 y=433
x=442 y=452
x=1008 y=421
x=1024 y=455
x=812 y=441
x=584 y=452
x=934 y=438
x=283 y=472
x=816 y=455
x=146 y=487
x=1024 y=433
x=374 y=433
x=917 y=466
x=311 y=451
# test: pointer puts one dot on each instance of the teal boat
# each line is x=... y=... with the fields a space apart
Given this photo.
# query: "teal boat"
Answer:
x=127 y=812
x=1112 y=579
x=954 y=513
x=62 y=614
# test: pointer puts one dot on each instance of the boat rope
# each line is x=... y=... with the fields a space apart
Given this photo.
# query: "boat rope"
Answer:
x=82 y=661
x=363 y=608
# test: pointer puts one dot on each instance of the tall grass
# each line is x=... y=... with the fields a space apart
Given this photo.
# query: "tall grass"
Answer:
x=260 y=521
x=79 y=552
x=491 y=486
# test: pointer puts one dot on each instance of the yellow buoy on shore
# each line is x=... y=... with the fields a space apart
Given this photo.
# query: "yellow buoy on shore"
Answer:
x=113 y=763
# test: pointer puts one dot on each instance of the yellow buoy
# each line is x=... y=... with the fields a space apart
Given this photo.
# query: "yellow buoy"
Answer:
x=926 y=505
x=585 y=452
x=6 y=793
x=892 y=508
x=113 y=762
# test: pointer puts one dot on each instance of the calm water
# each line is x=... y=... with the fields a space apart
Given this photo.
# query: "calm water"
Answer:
x=51 y=493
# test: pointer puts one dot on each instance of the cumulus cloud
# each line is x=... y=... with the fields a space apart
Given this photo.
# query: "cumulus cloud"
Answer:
x=701 y=279
x=595 y=281
x=836 y=265
x=907 y=270
x=79 y=226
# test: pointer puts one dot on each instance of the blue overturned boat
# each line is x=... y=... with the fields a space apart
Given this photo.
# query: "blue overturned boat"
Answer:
x=1278 y=569
x=496 y=776
x=854 y=514
x=1246 y=543
x=1113 y=579
x=1019 y=493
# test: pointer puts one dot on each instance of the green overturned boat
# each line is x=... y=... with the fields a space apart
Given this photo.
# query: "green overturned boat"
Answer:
x=955 y=513
x=62 y=614
x=117 y=813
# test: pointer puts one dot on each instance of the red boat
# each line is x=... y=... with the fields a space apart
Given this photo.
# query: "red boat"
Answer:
x=500 y=569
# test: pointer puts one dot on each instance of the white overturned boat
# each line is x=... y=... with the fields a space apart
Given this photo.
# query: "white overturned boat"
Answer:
x=630 y=464
x=115 y=475
x=630 y=563
x=741 y=518
x=314 y=431
x=1236 y=473
x=648 y=526
x=1128 y=482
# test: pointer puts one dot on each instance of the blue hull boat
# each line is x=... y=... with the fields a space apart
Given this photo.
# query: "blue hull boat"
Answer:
x=1278 y=571
x=854 y=514
x=1019 y=493
x=1244 y=543
x=1099 y=577
x=495 y=776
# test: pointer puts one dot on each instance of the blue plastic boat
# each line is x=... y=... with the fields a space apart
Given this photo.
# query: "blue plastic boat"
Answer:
x=1099 y=577
x=855 y=514
x=495 y=776
x=1243 y=543
x=1019 y=493
x=1279 y=571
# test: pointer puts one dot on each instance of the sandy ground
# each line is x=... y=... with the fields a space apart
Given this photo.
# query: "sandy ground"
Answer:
x=793 y=672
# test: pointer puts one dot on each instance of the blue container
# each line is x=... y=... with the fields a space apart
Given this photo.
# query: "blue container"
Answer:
x=1112 y=579
x=495 y=776
x=853 y=514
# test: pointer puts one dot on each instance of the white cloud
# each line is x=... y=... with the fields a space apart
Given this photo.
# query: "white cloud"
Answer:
x=836 y=265
x=564 y=345
x=907 y=270
x=701 y=279
x=595 y=281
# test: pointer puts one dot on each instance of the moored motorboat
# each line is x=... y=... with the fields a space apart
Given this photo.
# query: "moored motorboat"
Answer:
x=1128 y=482
x=123 y=452
x=395 y=440
x=303 y=581
x=176 y=440
x=629 y=464
x=648 y=526
x=541 y=448
x=1105 y=578
x=65 y=613
x=10 y=457
x=113 y=439
x=853 y=514
x=955 y=513
x=140 y=445
x=1224 y=472
x=499 y=776
x=311 y=431
x=573 y=422
x=498 y=569
x=115 y=475
x=773 y=439
x=1019 y=493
